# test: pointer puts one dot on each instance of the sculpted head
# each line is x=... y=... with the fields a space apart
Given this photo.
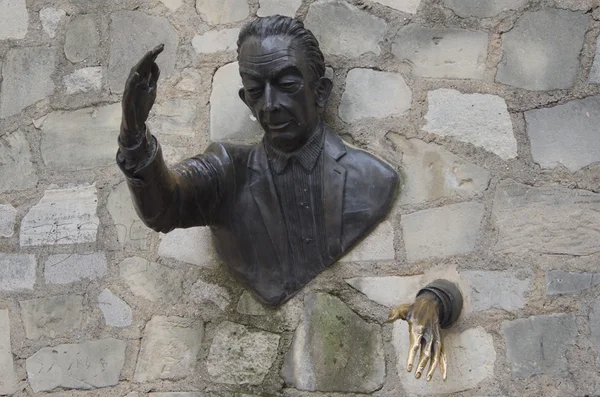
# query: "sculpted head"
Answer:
x=282 y=71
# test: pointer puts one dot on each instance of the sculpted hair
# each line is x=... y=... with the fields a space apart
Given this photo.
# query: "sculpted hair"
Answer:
x=278 y=25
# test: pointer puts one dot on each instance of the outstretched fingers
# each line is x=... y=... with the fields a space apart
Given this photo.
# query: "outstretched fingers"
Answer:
x=425 y=355
x=443 y=363
x=435 y=359
x=415 y=343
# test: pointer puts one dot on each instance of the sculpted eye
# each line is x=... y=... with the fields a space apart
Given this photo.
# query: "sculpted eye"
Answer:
x=289 y=86
x=254 y=92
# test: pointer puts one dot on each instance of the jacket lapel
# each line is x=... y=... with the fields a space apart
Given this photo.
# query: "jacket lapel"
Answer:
x=334 y=182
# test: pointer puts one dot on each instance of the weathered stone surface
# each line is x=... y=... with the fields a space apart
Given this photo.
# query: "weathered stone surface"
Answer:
x=16 y=167
x=442 y=52
x=287 y=315
x=51 y=18
x=173 y=117
x=132 y=34
x=202 y=292
x=117 y=313
x=325 y=354
x=377 y=246
x=152 y=281
x=436 y=173
x=177 y=394
x=190 y=80
x=52 y=317
x=217 y=12
x=562 y=282
x=537 y=345
x=532 y=56
x=216 y=41
x=441 y=232
x=82 y=40
x=14 y=19
x=546 y=220
x=565 y=134
x=471 y=357
x=8 y=376
x=17 y=272
x=370 y=93
x=19 y=89
x=88 y=135
x=240 y=356
x=84 y=80
x=8 y=217
x=169 y=348
x=409 y=6
x=594 y=319
x=479 y=119
x=500 y=290
x=388 y=291
x=172 y=5
x=87 y=365
x=594 y=76
x=483 y=9
x=130 y=229
x=62 y=216
x=193 y=245
x=278 y=7
x=249 y=305
x=230 y=118
x=71 y=268
x=343 y=29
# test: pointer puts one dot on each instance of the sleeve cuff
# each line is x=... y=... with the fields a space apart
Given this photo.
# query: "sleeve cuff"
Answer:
x=451 y=300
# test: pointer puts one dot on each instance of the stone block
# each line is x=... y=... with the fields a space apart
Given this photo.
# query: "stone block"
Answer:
x=19 y=89
x=378 y=246
x=471 y=357
x=216 y=41
x=565 y=134
x=16 y=168
x=152 y=281
x=345 y=30
x=334 y=350
x=278 y=7
x=388 y=291
x=14 y=19
x=546 y=220
x=217 y=12
x=130 y=229
x=594 y=76
x=71 y=268
x=17 y=272
x=87 y=135
x=560 y=282
x=84 y=80
x=538 y=344
x=496 y=289
x=193 y=245
x=251 y=306
x=190 y=80
x=172 y=5
x=203 y=292
x=542 y=51
x=117 y=313
x=370 y=93
x=441 y=232
x=173 y=117
x=50 y=18
x=133 y=34
x=442 y=52
x=8 y=376
x=408 y=6
x=177 y=394
x=62 y=216
x=88 y=365
x=8 y=218
x=240 y=356
x=169 y=349
x=594 y=319
x=483 y=9
x=286 y=316
x=82 y=40
x=52 y=317
x=479 y=119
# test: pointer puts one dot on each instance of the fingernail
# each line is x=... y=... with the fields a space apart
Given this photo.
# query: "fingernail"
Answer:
x=409 y=368
x=418 y=375
x=428 y=378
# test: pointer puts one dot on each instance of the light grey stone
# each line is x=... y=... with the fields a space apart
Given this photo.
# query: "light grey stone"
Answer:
x=370 y=93
x=538 y=344
x=172 y=5
x=87 y=135
x=594 y=319
x=169 y=349
x=193 y=245
x=479 y=119
x=71 y=268
x=202 y=292
x=8 y=376
x=82 y=40
x=249 y=305
x=117 y=313
x=388 y=291
x=483 y=9
x=216 y=41
x=173 y=117
x=62 y=216
x=286 y=316
x=325 y=354
x=52 y=317
x=19 y=89
x=51 y=18
x=16 y=168
x=14 y=19
x=442 y=52
x=133 y=34
x=594 y=76
x=378 y=246
x=278 y=7
x=441 y=232
x=152 y=281
x=542 y=51
x=17 y=272
x=8 y=218
x=230 y=118
x=190 y=80
x=470 y=354
x=239 y=356
x=84 y=80
x=546 y=220
x=87 y=365
x=177 y=394
x=409 y=6
x=500 y=290
x=562 y=282
x=343 y=29
x=436 y=173
x=565 y=134
x=217 y=12
x=130 y=229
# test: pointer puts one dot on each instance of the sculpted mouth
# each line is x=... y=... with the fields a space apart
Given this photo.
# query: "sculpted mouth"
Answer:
x=278 y=126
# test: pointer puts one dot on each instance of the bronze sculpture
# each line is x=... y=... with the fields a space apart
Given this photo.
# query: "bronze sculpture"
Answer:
x=281 y=211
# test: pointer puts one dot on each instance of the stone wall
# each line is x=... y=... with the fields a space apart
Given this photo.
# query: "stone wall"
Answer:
x=490 y=109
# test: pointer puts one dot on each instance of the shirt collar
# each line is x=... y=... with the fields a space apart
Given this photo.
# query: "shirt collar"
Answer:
x=307 y=155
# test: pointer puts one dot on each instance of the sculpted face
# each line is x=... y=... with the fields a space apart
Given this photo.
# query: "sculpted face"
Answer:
x=278 y=90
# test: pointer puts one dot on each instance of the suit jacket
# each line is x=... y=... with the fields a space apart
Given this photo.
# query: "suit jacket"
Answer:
x=230 y=188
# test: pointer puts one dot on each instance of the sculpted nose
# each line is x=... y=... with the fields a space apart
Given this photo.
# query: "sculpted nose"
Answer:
x=270 y=104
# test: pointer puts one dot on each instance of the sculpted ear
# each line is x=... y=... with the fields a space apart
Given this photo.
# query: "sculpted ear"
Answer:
x=322 y=91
